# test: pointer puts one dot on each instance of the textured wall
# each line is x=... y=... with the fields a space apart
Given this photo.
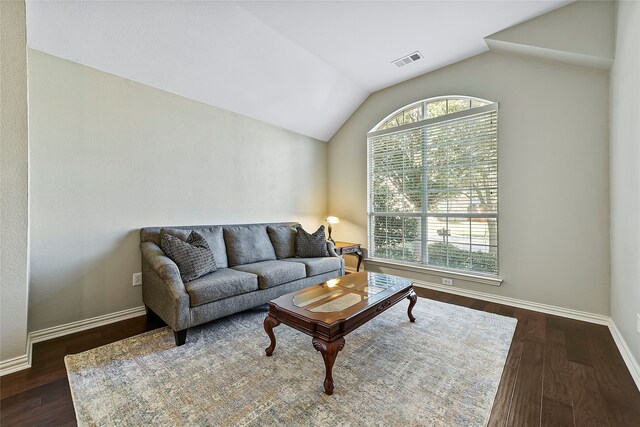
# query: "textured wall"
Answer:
x=553 y=172
x=14 y=210
x=625 y=175
x=109 y=156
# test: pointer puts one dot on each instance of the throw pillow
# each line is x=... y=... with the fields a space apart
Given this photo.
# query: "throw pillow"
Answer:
x=283 y=238
x=193 y=257
x=311 y=245
x=247 y=244
x=215 y=240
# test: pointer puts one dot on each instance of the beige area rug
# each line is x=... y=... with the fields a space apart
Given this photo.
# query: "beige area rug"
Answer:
x=443 y=370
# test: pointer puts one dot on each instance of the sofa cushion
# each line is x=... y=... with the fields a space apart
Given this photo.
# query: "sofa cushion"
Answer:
x=315 y=266
x=247 y=244
x=283 y=238
x=221 y=284
x=311 y=245
x=274 y=273
x=193 y=256
x=215 y=239
x=175 y=232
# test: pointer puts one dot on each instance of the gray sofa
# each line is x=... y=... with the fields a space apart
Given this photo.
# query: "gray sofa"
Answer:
x=256 y=263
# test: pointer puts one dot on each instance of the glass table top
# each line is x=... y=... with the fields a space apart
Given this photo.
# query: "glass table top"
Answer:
x=344 y=292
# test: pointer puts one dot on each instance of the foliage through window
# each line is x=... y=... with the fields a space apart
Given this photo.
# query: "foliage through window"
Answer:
x=433 y=185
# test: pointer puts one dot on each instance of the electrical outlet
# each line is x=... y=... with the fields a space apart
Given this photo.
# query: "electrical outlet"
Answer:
x=448 y=282
x=638 y=323
x=137 y=279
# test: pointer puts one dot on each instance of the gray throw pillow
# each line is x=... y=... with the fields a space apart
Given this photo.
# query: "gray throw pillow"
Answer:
x=247 y=244
x=215 y=240
x=193 y=257
x=311 y=245
x=283 y=238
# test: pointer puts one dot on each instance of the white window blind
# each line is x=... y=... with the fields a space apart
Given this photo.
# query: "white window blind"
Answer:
x=433 y=191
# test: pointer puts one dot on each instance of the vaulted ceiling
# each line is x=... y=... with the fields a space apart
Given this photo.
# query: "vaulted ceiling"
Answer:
x=301 y=65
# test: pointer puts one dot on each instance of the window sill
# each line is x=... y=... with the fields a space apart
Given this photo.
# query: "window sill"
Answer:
x=469 y=277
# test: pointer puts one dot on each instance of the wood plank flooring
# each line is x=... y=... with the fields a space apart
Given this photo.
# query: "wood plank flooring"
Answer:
x=559 y=372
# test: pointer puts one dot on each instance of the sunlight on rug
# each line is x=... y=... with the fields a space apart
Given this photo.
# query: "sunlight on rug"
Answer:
x=443 y=370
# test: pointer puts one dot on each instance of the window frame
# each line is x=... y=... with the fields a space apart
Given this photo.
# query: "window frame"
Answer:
x=425 y=213
x=382 y=122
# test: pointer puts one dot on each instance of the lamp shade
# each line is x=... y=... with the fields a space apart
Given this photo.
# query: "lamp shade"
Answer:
x=333 y=220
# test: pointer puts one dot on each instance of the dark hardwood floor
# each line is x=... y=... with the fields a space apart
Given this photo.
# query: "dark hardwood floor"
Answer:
x=559 y=372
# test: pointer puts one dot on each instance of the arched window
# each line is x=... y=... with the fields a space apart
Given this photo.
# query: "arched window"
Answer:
x=433 y=185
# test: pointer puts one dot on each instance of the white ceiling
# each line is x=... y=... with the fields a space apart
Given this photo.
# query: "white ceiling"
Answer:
x=301 y=65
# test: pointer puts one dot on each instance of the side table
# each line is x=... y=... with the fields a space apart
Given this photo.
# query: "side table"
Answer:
x=344 y=248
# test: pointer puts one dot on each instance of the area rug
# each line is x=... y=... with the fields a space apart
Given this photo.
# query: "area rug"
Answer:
x=443 y=370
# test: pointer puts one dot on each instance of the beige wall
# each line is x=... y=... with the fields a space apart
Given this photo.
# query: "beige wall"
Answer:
x=581 y=27
x=553 y=172
x=625 y=175
x=14 y=209
x=109 y=156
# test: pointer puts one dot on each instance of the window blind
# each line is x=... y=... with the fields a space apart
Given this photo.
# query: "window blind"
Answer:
x=433 y=191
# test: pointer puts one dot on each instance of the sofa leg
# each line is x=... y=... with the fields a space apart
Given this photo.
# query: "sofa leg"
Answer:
x=262 y=307
x=180 y=336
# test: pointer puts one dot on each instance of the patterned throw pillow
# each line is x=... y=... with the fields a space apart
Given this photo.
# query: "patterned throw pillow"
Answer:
x=311 y=245
x=193 y=257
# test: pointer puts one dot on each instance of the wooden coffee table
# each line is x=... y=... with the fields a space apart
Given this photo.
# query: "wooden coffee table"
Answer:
x=332 y=309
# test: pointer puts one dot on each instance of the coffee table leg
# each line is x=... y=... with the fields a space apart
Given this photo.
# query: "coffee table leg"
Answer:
x=412 y=298
x=329 y=351
x=270 y=322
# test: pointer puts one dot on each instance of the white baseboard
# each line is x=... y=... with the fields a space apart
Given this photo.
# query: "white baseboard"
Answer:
x=630 y=361
x=24 y=362
x=83 y=325
x=15 y=364
x=513 y=302
x=625 y=351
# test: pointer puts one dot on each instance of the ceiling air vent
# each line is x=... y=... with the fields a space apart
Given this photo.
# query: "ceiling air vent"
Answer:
x=412 y=57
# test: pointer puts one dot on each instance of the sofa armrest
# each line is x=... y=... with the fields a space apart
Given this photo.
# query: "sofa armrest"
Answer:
x=331 y=248
x=161 y=264
x=162 y=288
x=332 y=253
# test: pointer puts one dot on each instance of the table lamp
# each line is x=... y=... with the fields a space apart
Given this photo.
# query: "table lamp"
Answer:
x=332 y=220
